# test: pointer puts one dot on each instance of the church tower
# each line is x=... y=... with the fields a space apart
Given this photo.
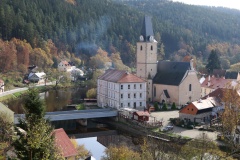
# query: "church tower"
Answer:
x=147 y=55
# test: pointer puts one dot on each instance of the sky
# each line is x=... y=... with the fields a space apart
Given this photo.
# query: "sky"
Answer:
x=218 y=3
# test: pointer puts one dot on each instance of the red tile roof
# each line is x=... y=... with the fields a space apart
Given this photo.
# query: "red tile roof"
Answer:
x=215 y=83
x=120 y=76
x=142 y=113
x=64 y=143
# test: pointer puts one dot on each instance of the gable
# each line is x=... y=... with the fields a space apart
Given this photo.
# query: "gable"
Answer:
x=189 y=109
x=170 y=73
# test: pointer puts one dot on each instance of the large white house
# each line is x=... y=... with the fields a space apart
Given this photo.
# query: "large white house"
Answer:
x=120 y=89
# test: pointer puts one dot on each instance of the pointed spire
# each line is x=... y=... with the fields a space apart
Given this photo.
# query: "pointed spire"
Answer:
x=147 y=29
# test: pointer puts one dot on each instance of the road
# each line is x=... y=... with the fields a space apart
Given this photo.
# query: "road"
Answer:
x=192 y=133
x=21 y=89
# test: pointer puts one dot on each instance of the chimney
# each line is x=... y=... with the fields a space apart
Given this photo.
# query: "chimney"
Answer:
x=209 y=81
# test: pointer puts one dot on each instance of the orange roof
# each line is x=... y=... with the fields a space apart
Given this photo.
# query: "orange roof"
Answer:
x=215 y=82
x=120 y=76
x=142 y=113
x=64 y=143
x=130 y=78
x=65 y=62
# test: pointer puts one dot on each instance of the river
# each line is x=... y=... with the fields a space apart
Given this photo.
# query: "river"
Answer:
x=56 y=100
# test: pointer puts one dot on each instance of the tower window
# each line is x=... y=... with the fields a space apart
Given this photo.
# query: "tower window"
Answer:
x=190 y=87
x=154 y=91
x=141 y=48
x=151 y=47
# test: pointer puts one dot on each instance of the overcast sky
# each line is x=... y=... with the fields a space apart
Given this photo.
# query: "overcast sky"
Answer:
x=222 y=3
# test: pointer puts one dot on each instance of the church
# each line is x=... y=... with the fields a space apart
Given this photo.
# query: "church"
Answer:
x=169 y=82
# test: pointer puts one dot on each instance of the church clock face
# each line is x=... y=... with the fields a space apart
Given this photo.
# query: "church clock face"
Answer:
x=141 y=38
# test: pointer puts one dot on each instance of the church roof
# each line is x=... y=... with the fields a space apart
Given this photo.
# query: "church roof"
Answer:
x=147 y=29
x=231 y=75
x=170 y=73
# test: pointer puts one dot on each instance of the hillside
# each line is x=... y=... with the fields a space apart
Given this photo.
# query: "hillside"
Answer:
x=82 y=26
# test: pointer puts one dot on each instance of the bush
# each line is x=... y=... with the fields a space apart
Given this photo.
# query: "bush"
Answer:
x=156 y=106
x=80 y=107
x=173 y=106
x=164 y=108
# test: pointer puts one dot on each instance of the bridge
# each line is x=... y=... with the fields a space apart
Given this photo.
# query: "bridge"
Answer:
x=74 y=114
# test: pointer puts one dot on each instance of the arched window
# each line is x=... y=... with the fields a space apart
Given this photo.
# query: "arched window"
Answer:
x=151 y=47
x=141 y=48
x=190 y=87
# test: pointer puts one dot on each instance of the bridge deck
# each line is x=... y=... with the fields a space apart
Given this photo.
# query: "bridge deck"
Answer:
x=74 y=114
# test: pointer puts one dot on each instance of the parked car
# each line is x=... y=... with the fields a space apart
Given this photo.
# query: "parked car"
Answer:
x=168 y=128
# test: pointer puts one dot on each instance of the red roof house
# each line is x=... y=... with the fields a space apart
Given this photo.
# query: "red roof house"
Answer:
x=64 y=144
x=141 y=116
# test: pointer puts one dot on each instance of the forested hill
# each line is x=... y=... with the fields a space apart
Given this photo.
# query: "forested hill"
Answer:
x=197 y=25
x=83 y=25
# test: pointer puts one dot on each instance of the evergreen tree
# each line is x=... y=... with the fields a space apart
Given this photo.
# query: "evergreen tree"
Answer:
x=164 y=107
x=37 y=141
x=173 y=106
x=213 y=62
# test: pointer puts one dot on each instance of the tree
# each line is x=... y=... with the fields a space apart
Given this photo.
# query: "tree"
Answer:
x=213 y=62
x=6 y=134
x=156 y=106
x=92 y=93
x=230 y=119
x=120 y=153
x=201 y=148
x=83 y=153
x=164 y=107
x=173 y=106
x=36 y=141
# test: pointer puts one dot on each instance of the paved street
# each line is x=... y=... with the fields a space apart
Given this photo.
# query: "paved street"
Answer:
x=192 y=133
x=21 y=89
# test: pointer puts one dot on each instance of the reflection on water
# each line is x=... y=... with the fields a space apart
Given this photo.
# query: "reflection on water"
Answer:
x=91 y=144
x=55 y=100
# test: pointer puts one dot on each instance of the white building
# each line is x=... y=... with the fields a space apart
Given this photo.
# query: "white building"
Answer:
x=64 y=66
x=120 y=89
x=38 y=77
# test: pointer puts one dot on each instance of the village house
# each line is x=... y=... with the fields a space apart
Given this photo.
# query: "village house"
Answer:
x=141 y=116
x=64 y=66
x=212 y=83
x=38 y=77
x=120 y=89
x=166 y=81
x=1 y=86
x=203 y=110
x=64 y=144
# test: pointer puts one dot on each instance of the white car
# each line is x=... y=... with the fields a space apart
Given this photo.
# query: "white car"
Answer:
x=168 y=128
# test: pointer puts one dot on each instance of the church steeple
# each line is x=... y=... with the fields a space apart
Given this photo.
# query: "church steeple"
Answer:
x=147 y=30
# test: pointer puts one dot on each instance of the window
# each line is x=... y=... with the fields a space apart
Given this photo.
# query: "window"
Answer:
x=121 y=95
x=128 y=86
x=154 y=91
x=134 y=86
x=121 y=86
x=140 y=86
x=128 y=95
x=140 y=95
x=151 y=47
x=134 y=95
x=190 y=87
x=141 y=48
x=140 y=103
x=121 y=104
x=128 y=104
